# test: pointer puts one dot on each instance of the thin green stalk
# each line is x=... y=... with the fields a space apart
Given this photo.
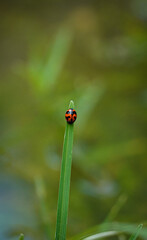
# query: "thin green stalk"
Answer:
x=64 y=187
x=134 y=236
x=116 y=208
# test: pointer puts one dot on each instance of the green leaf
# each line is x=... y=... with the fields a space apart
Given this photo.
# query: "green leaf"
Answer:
x=102 y=235
x=134 y=236
x=57 y=58
x=113 y=226
x=64 y=187
x=89 y=97
x=116 y=208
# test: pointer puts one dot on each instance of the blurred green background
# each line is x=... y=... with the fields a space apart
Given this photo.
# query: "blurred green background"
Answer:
x=94 y=52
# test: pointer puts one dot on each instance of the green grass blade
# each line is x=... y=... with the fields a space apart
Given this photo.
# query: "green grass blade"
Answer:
x=116 y=208
x=102 y=235
x=41 y=193
x=127 y=228
x=89 y=97
x=21 y=237
x=64 y=187
x=57 y=58
x=134 y=236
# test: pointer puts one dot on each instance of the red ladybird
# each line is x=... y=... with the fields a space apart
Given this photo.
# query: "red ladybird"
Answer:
x=70 y=115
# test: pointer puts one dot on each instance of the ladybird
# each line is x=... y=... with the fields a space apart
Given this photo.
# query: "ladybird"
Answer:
x=70 y=115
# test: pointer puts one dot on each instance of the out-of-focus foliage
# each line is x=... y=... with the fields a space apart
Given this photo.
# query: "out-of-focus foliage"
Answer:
x=112 y=229
x=21 y=237
x=94 y=52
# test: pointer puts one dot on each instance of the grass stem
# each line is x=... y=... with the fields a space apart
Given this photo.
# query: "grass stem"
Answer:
x=64 y=186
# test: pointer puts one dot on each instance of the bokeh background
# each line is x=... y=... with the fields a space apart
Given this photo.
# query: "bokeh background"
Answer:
x=94 y=52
